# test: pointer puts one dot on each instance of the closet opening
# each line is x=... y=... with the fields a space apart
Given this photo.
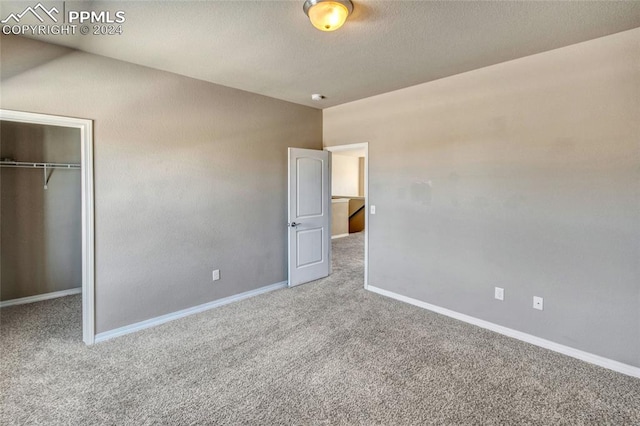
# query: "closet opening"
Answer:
x=46 y=223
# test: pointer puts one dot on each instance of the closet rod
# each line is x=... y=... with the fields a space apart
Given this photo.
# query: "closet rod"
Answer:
x=36 y=165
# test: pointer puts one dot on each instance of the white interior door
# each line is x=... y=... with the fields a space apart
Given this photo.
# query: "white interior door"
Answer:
x=309 y=215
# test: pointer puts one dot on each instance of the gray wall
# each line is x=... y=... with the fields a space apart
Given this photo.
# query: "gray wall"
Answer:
x=41 y=230
x=523 y=175
x=189 y=176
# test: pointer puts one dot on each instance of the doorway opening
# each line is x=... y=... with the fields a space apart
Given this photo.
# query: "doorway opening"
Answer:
x=49 y=252
x=350 y=195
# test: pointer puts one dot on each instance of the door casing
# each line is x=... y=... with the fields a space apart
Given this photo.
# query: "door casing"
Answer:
x=351 y=147
x=87 y=203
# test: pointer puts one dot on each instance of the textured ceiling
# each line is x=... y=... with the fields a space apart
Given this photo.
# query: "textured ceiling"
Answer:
x=270 y=48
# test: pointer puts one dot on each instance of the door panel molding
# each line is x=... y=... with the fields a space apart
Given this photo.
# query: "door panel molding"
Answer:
x=309 y=215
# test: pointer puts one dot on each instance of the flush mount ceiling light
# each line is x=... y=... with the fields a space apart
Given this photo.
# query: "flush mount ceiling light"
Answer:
x=327 y=15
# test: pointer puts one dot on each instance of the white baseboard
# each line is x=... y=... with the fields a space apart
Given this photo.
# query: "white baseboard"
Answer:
x=132 y=328
x=333 y=237
x=40 y=297
x=529 y=338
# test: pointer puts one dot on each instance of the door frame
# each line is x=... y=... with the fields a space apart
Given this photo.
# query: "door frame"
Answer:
x=88 y=232
x=351 y=147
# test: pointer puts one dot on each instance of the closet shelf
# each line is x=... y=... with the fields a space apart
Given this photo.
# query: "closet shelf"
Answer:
x=47 y=167
x=36 y=165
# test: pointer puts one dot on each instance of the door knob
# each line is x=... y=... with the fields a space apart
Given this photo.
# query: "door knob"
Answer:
x=294 y=224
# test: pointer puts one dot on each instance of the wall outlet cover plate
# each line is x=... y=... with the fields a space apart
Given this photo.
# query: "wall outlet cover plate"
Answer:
x=538 y=303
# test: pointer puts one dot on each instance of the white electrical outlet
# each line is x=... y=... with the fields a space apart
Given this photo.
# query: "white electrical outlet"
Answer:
x=216 y=274
x=537 y=303
x=373 y=209
x=499 y=293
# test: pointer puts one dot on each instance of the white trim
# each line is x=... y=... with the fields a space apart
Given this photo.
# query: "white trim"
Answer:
x=333 y=237
x=88 y=255
x=543 y=343
x=351 y=147
x=40 y=297
x=132 y=328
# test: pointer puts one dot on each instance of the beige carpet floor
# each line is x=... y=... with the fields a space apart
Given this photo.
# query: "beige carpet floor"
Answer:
x=326 y=352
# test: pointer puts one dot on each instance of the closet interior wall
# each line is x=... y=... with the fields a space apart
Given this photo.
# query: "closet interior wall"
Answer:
x=40 y=229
